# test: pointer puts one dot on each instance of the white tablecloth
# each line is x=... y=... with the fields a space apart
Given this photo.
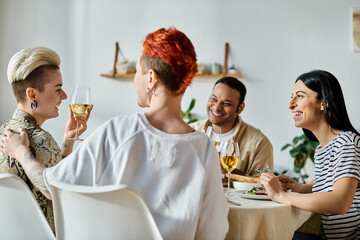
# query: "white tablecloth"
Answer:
x=263 y=219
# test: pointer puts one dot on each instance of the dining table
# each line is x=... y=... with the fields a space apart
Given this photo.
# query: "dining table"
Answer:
x=257 y=217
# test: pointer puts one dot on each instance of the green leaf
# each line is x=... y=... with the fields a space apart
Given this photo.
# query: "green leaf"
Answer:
x=192 y=120
x=308 y=147
x=192 y=104
x=295 y=151
x=300 y=160
x=188 y=115
x=297 y=169
x=286 y=146
x=301 y=148
x=298 y=139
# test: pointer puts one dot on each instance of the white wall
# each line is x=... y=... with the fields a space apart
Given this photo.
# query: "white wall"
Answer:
x=33 y=23
x=271 y=42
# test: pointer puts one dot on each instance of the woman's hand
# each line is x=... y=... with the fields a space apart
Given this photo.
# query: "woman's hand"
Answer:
x=70 y=130
x=15 y=144
x=289 y=183
x=272 y=186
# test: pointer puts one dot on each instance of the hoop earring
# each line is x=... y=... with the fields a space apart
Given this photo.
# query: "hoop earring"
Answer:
x=34 y=105
x=150 y=93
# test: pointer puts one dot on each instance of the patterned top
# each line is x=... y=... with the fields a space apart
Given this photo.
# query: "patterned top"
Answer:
x=42 y=146
x=339 y=159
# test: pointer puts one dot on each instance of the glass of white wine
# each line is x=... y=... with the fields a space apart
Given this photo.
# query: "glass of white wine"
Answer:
x=80 y=102
x=218 y=143
x=229 y=159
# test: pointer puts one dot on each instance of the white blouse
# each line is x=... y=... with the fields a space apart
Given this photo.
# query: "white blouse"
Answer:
x=178 y=175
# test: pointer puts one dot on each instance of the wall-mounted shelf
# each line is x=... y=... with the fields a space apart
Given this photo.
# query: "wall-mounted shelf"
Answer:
x=235 y=75
x=131 y=75
x=109 y=75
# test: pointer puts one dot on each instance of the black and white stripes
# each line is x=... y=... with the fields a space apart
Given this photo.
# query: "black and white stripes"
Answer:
x=338 y=159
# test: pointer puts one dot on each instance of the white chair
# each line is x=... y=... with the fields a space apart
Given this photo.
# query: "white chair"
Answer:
x=104 y=212
x=20 y=214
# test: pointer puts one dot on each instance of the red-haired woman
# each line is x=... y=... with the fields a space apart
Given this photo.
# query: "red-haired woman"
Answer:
x=172 y=166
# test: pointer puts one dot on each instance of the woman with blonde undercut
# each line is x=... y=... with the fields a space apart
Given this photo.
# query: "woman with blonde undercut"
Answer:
x=173 y=167
x=36 y=81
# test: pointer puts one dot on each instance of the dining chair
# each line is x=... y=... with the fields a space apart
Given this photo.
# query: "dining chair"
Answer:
x=20 y=214
x=101 y=212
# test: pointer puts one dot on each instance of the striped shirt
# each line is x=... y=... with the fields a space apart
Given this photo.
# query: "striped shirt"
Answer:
x=340 y=158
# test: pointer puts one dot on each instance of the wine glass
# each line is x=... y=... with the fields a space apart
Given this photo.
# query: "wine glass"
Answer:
x=218 y=143
x=229 y=159
x=80 y=102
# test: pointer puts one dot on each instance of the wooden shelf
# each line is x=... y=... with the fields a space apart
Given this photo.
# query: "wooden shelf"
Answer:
x=235 y=75
x=131 y=75
x=218 y=76
x=109 y=75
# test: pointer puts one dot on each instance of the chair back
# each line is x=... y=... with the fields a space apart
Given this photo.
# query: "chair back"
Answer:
x=104 y=212
x=20 y=214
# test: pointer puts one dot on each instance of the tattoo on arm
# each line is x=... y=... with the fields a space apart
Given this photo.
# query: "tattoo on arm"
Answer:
x=35 y=173
x=28 y=158
x=36 y=177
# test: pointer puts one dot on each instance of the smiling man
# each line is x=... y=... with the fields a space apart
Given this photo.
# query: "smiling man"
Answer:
x=225 y=104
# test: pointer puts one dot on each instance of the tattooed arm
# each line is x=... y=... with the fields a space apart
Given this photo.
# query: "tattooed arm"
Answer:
x=34 y=170
x=17 y=146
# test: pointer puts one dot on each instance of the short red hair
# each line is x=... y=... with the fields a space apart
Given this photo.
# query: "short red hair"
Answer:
x=175 y=49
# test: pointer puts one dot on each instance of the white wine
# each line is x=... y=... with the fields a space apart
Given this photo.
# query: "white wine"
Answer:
x=80 y=109
x=229 y=163
x=217 y=144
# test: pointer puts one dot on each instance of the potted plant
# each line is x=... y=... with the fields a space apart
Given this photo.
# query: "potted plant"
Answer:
x=187 y=115
x=301 y=149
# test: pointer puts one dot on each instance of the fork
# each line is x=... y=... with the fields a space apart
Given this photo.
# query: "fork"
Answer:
x=233 y=202
x=268 y=168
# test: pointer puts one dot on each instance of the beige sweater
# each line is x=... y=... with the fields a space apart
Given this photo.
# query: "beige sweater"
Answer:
x=255 y=147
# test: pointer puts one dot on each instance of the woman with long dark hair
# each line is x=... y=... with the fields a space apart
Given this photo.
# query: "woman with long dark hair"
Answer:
x=318 y=106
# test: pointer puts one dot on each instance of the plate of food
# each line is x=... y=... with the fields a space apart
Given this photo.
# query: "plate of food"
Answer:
x=245 y=186
x=244 y=182
x=255 y=193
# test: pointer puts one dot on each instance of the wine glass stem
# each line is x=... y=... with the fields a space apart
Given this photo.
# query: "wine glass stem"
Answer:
x=228 y=190
x=77 y=129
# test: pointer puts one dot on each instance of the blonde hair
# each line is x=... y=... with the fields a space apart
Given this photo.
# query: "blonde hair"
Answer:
x=27 y=60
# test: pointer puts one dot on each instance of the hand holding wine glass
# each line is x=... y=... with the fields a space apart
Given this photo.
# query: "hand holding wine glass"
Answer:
x=229 y=159
x=80 y=105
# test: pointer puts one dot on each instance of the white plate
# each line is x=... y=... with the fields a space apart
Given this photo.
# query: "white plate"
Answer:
x=245 y=186
x=250 y=196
